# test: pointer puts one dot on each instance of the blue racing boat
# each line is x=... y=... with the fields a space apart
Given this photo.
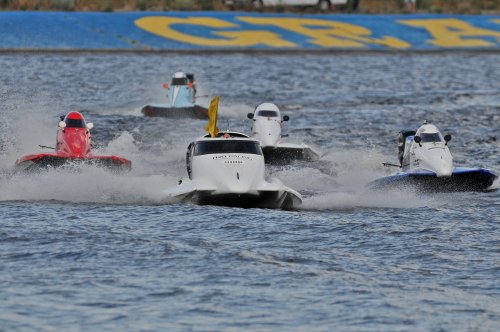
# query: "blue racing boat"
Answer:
x=427 y=165
x=181 y=96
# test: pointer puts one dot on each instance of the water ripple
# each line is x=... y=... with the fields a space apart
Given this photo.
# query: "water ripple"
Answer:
x=96 y=251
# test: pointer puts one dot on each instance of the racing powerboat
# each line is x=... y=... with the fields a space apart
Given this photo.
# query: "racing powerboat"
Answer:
x=227 y=168
x=266 y=128
x=73 y=147
x=181 y=96
x=427 y=164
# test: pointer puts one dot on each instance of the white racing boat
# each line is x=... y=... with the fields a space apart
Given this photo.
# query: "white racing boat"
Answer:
x=427 y=164
x=228 y=169
x=266 y=128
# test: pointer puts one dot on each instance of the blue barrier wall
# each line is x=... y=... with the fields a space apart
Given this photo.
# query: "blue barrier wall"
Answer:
x=244 y=30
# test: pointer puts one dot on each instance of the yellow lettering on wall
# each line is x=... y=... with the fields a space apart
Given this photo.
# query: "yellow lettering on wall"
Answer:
x=330 y=33
x=162 y=26
x=450 y=32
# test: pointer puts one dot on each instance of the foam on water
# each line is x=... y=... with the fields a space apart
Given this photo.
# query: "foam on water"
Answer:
x=337 y=181
x=235 y=110
x=87 y=185
x=144 y=162
x=27 y=129
x=91 y=184
x=340 y=182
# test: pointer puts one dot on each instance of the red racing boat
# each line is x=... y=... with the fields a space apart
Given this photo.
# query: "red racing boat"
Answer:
x=73 y=146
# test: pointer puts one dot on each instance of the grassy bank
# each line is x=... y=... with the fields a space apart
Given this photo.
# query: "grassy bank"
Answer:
x=364 y=6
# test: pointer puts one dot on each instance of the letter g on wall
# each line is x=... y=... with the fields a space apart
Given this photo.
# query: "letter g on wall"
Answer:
x=162 y=26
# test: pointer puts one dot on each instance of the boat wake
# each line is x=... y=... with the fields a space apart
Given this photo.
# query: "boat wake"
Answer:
x=90 y=183
x=337 y=181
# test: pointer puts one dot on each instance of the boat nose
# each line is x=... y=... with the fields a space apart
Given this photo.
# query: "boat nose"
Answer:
x=444 y=170
x=445 y=173
x=76 y=142
x=268 y=139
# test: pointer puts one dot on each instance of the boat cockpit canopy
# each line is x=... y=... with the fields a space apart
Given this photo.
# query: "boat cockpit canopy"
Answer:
x=227 y=146
x=179 y=81
x=75 y=123
x=268 y=114
x=431 y=137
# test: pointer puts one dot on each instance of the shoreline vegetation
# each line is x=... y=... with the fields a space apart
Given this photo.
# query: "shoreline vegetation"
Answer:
x=491 y=7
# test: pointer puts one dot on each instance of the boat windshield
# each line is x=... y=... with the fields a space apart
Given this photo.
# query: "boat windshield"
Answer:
x=75 y=123
x=269 y=114
x=179 y=81
x=222 y=146
x=434 y=137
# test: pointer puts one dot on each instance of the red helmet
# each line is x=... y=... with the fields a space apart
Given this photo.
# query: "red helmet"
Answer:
x=74 y=116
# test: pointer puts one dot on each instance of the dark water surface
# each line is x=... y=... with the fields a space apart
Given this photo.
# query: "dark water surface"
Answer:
x=98 y=251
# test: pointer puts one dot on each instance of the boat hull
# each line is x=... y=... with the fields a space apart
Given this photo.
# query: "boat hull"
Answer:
x=195 y=111
x=461 y=180
x=45 y=161
x=262 y=199
x=284 y=155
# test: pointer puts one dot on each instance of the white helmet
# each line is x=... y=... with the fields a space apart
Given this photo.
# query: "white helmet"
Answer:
x=179 y=74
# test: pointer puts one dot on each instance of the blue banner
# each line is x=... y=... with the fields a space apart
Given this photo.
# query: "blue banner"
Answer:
x=244 y=30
